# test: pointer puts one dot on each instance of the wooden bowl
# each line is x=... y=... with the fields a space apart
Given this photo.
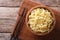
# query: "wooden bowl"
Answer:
x=52 y=26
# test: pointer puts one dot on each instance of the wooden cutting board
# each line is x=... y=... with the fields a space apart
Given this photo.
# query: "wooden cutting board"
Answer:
x=25 y=34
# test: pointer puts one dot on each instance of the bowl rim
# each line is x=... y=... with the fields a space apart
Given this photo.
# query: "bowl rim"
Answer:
x=49 y=9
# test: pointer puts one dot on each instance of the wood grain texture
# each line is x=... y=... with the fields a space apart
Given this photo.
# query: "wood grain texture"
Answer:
x=10 y=2
x=8 y=17
x=5 y=36
x=49 y=2
x=8 y=14
x=16 y=3
x=6 y=25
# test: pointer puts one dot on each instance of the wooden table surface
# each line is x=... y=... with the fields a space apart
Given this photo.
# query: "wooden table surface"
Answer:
x=9 y=12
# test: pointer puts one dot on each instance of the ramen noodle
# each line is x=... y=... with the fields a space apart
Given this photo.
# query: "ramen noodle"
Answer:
x=40 y=20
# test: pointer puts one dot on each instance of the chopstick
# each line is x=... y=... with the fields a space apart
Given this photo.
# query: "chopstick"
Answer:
x=19 y=24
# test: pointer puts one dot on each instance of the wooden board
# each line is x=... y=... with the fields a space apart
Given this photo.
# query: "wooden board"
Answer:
x=16 y=3
x=8 y=18
x=25 y=34
x=6 y=12
x=5 y=36
x=10 y=3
